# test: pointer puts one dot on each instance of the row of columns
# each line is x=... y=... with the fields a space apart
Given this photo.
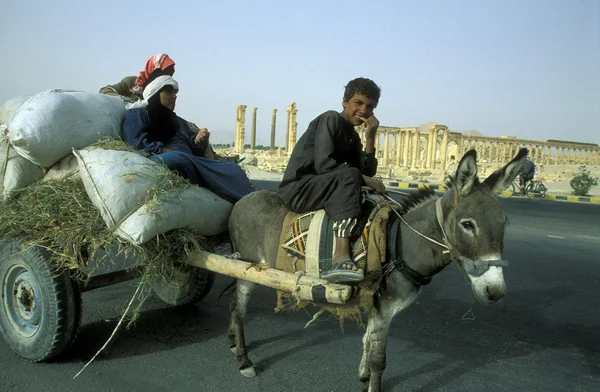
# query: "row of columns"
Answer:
x=500 y=150
x=409 y=147
x=240 y=128
x=428 y=148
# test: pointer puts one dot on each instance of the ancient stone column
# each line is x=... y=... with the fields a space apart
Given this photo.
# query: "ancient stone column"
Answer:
x=416 y=149
x=236 y=142
x=253 y=139
x=287 y=129
x=543 y=156
x=242 y=128
x=386 y=147
x=377 y=135
x=406 y=142
x=588 y=157
x=293 y=127
x=496 y=151
x=398 y=147
x=429 y=149
x=434 y=148
x=560 y=155
x=290 y=137
x=571 y=155
x=392 y=148
x=273 y=122
x=444 y=149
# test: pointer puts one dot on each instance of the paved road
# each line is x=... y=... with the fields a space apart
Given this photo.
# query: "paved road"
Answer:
x=544 y=336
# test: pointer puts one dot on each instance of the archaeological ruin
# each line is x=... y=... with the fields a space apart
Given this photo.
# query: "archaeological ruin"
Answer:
x=433 y=147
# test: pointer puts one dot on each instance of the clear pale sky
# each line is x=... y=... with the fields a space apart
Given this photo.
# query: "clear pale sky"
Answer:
x=527 y=68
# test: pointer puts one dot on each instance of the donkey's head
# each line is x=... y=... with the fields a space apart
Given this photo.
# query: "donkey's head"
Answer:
x=474 y=223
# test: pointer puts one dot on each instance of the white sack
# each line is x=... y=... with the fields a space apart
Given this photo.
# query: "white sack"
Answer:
x=118 y=182
x=51 y=123
x=16 y=172
x=10 y=108
x=192 y=207
x=65 y=169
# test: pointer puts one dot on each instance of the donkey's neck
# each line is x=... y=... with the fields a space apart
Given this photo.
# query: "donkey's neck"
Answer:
x=418 y=252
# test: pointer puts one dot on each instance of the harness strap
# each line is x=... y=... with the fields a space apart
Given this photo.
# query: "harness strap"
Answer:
x=397 y=262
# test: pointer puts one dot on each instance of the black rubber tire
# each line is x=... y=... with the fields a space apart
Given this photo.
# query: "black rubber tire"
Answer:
x=189 y=286
x=41 y=309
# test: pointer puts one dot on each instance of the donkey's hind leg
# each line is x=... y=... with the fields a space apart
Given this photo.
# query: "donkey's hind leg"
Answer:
x=237 y=339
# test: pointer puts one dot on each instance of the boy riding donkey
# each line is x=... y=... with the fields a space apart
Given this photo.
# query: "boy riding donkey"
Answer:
x=328 y=167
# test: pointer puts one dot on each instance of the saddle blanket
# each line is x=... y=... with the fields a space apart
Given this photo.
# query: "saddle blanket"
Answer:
x=311 y=238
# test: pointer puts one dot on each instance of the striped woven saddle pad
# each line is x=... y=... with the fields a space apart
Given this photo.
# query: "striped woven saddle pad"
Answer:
x=311 y=238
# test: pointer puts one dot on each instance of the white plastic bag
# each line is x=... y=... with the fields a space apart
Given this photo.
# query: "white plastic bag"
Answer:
x=16 y=172
x=65 y=169
x=118 y=183
x=192 y=207
x=51 y=123
x=10 y=108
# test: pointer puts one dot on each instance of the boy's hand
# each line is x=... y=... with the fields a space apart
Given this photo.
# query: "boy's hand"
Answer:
x=376 y=184
x=371 y=125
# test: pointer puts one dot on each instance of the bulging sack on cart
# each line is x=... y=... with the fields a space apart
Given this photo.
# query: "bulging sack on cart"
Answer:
x=10 y=108
x=66 y=168
x=134 y=198
x=193 y=207
x=51 y=123
x=16 y=172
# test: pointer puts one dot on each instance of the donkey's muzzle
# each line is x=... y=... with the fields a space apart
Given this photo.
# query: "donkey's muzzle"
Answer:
x=479 y=267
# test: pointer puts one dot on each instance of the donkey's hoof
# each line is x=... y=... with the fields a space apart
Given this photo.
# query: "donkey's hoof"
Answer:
x=233 y=349
x=248 y=372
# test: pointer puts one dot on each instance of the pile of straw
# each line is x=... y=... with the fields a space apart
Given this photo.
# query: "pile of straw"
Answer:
x=59 y=217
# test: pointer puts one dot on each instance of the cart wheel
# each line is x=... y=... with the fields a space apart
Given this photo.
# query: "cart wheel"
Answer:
x=41 y=309
x=188 y=286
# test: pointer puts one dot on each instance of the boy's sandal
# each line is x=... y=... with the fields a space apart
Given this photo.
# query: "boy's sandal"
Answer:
x=338 y=274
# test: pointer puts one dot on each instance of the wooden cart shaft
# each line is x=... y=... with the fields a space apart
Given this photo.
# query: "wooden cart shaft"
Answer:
x=306 y=288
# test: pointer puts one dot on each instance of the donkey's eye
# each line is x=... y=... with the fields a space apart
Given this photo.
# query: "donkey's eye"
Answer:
x=468 y=225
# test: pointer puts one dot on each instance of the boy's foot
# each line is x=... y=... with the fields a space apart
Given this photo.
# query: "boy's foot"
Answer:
x=344 y=271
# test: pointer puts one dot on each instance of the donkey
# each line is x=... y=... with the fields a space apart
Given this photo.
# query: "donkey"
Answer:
x=465 y=225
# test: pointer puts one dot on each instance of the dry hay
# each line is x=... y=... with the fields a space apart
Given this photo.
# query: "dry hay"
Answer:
x=59 y=217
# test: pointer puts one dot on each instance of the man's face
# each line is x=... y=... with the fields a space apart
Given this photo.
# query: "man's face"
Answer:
x=168 y=97
x=358 y=106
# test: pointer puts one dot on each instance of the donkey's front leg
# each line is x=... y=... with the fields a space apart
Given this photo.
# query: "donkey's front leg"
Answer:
x=373 y=360
x=238 y=309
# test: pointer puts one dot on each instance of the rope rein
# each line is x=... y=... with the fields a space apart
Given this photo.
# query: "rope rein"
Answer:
x=439 y=215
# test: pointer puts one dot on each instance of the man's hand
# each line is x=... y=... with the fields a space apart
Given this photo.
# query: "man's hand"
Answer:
x=376 y=184
x=202 y=136
x=371 y=125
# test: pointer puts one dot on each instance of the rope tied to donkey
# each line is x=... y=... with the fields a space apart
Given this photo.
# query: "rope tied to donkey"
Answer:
x=448 y=247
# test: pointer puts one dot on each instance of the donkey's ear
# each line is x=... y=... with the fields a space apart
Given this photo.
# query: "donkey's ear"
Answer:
x=466 y=173
x=501 y=178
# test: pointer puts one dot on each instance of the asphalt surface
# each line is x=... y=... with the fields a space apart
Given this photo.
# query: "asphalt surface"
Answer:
x=543 y=336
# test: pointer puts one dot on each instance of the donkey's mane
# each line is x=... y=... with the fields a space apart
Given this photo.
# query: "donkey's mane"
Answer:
x=417 y=198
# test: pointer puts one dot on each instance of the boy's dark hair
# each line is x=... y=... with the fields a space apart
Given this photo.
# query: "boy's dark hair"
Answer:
x=362 y=86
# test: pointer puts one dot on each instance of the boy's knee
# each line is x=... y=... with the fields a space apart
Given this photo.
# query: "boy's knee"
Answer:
x=351 y=174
